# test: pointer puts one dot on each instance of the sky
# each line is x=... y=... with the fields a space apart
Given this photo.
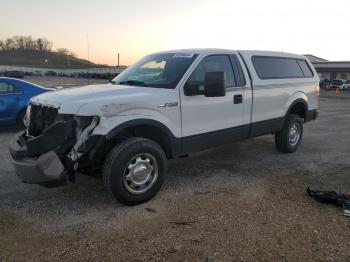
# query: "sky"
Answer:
x=135 y=28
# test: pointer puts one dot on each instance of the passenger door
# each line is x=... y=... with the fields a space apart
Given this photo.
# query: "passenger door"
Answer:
x=10 y=97
x=209 y=121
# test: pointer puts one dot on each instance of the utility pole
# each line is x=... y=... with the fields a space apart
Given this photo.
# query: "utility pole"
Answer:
x=118 y=60
x=88 y=55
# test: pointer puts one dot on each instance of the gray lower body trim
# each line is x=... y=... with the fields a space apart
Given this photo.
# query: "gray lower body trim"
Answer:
x=200 y=142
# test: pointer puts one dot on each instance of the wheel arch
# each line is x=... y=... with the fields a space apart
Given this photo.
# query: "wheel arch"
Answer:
x=151 y=129
x=298 y=106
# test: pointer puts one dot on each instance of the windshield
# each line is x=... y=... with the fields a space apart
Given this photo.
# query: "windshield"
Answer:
x=158 y=70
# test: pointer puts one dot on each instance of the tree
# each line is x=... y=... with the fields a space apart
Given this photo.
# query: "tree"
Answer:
x=18 y=42
x=46 y=45
x=9 y=44
x=39 y=44
x=63 y=51
x=2 y=45
x=29 y=43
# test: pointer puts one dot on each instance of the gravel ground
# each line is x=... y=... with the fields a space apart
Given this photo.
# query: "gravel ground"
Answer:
x=243 y=201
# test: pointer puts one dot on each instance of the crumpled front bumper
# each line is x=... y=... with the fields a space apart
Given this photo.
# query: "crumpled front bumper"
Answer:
x=44 y=169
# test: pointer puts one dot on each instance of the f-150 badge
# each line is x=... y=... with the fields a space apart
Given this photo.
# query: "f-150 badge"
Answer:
x=171 y=104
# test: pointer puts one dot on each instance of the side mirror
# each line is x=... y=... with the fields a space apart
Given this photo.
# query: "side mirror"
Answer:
x=193 y=88
x=215 y=84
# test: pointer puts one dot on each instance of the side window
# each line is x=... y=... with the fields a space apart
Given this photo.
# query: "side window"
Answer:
x=4 y=88
x=277 y=67
x=213 y=63
x=305 y=68
x=238 y=71
x=11 y=88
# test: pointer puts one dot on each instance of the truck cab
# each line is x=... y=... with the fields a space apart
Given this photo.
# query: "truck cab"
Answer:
x=167 y=105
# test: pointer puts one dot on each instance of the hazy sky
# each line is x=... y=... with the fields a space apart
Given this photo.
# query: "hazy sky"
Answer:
x=135 y=28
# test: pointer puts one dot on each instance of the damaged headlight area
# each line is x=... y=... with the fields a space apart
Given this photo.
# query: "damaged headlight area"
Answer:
x=52 y=144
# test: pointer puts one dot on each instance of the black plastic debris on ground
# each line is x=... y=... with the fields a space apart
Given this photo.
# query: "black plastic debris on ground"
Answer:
x=331 y=197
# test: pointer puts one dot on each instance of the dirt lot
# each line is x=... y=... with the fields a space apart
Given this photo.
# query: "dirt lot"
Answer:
x=243 y=201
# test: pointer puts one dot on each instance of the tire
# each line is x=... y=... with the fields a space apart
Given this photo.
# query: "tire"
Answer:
x=285 y=140
x=20 y=118
x=131 y=163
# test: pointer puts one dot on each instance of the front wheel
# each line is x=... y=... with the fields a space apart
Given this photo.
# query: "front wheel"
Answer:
x=134 y=170
x=288 y=139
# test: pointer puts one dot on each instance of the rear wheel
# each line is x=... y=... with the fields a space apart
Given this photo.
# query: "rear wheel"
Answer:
x=288 y=139
x=134 y=170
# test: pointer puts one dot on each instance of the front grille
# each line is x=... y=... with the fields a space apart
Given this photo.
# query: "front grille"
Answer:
x=41 y=117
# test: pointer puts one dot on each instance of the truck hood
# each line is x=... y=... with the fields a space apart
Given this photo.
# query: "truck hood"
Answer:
x=93 y=99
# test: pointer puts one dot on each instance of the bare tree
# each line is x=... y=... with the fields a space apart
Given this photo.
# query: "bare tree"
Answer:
x=9 y=44
x=2 y=45
x=47 y=45
x=39 y=44
x=29 y=43
x=63 y=51
x=18 y=42
x=72 y=54
x=26 y=43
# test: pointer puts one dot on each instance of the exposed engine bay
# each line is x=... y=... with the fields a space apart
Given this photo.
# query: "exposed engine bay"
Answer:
x=57 y=142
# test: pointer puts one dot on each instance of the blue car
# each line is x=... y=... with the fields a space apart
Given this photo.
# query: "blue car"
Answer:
x=14 y=97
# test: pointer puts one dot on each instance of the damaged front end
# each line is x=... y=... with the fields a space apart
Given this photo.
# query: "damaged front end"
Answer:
x=49 y=150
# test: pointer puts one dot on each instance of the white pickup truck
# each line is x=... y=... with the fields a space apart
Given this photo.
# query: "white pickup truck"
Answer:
x=167 y=105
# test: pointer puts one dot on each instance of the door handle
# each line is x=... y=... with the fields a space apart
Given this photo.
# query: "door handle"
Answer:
x=237 y=99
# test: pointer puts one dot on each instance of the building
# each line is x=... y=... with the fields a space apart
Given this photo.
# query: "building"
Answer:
x=330 y=69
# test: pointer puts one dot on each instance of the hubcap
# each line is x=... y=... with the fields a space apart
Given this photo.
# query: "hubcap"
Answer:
x=140 y=173
x=294 y=134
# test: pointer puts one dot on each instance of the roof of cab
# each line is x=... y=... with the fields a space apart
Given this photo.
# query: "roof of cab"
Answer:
x=243 y=52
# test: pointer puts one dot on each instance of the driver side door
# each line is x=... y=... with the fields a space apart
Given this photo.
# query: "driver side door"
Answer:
x=9 y=101
x=210 y=121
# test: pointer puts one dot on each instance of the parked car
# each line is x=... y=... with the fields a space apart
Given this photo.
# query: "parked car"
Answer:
x=13 y=74
x=347 y=84
x=336 y=83
x=50 y=73
x=14 y=97
x=324 y=83
x=38 y=73
x=167 y=105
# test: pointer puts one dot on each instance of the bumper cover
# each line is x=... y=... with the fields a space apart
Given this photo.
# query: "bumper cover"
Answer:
x=43 y=169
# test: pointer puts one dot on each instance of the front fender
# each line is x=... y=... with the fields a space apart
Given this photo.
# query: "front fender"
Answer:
x=170 y=118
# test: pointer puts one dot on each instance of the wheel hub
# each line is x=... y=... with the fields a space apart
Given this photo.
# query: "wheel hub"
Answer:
x=294 y=134
x=140 y=174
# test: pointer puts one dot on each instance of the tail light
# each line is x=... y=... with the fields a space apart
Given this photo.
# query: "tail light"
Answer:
x=317 y=91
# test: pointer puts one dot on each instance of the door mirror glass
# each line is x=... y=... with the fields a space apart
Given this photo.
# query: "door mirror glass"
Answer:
x=193 y=88
x=215 y=84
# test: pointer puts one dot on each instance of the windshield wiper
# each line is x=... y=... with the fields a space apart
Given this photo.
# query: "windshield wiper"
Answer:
x=133 y=82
